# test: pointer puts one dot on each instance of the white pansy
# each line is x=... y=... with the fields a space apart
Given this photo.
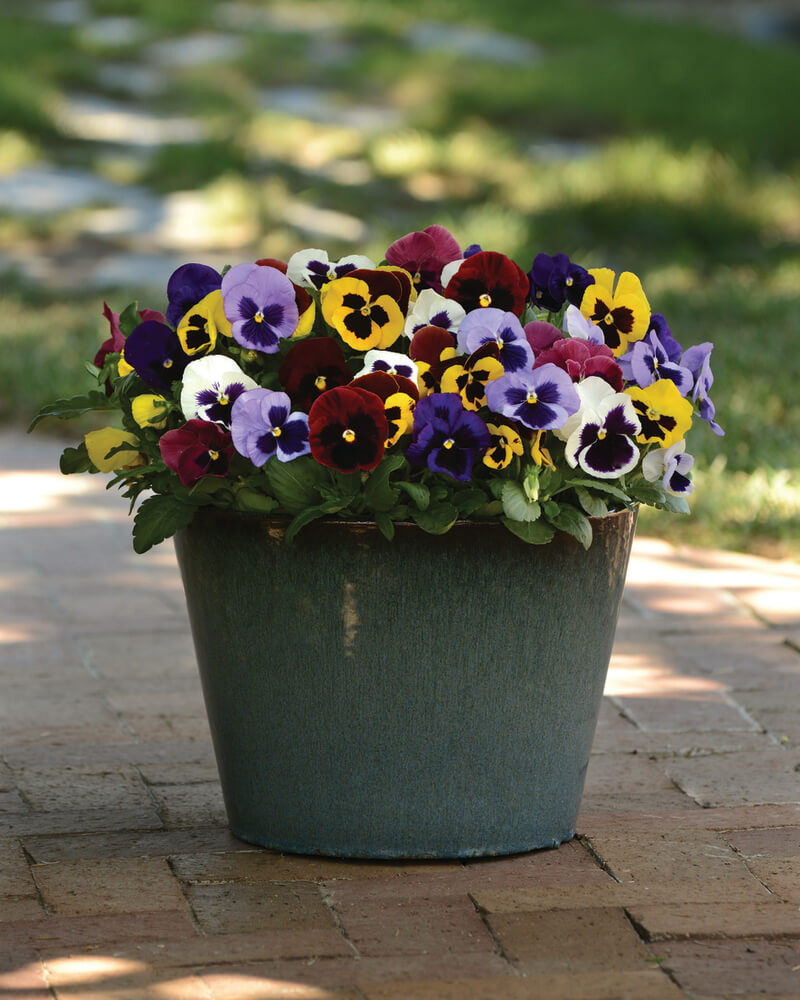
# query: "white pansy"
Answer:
x=389 y=361
x=592 y=392
x=211 y=385
x=313 y=268
x=432 y=309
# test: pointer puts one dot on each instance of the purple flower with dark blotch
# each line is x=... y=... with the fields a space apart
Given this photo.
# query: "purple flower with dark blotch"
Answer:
x=556 y=280
x=155 y=353
x=602 y=445
x=446 y=437
x=493 y=326
x=541 y=399
x=260 y=305
x=262 y=426
x=187 y=286
x=648 y=360
x=658 y=326
x=698 y=361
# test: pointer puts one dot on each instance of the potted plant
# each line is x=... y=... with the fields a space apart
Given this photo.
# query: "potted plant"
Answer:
x=403 y=498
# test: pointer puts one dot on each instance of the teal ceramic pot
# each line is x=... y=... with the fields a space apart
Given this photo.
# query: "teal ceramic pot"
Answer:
x=433 y=696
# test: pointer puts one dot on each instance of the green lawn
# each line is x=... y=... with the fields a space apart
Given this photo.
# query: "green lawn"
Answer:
x=656 y=146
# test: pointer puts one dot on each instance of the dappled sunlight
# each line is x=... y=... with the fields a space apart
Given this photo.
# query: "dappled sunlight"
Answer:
x=642 y=674
x=49 y=499
x=80 y=969
x=238 y=986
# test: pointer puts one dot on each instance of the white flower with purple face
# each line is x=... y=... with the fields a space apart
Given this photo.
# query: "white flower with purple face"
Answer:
x=433 y=309
x=262 y=426
x=260 y=305
x=313 y=268
x=603 y=444
x=591 y=391
x=493 y=326
x=540 y=400
x=388 y=361
x=211 y=385
x=576 y=325
x=672 y=466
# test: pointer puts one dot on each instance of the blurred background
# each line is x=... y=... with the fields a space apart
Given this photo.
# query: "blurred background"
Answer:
x=657 y=136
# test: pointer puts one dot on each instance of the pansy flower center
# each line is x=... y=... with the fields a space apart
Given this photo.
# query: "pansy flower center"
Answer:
x=168 y=362
x=259 y=317
x=365 y=310
x=448 y=443
x=348 y=435
x=569 y=282
x=653 y=414
x=417 y=278
x=320 y=382
x=608 y=318
x=222 y=399
x=485 y=299
x=601 y=434
x=276 y=432
x=213 y=455
x=532 y=398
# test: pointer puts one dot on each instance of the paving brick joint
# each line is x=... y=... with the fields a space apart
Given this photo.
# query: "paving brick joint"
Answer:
x=119 y=878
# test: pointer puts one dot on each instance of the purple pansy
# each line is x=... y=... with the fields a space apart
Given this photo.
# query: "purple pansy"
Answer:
x=262 y=426
x=493 y=326
x=542 y=399
x=672 y=466
x=187 y=286
x=698 y=361
x=261 y=306
x=556 y=280
x=155 y=353
x=602 y=445
x=650 y=359
x=446 y=437
x=211 y=385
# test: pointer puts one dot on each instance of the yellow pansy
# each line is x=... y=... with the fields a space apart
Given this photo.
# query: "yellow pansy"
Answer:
x=100 y=443
x=506 y=443
x=665 y=415
x=621 y=313
x=539 y=454
x=199 y=327
x=149 y=410
x=361 y=320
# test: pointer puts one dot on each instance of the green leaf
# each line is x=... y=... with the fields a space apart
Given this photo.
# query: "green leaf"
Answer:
x=385 y=524
x=379 y=494
x=75 y=460
x=129 y=319
x=247 y=499
x=75 y=406
x=494 y=508
x=297 y=484
x=601 y=486
x=645 y=492
x=301 y=520
x=516 y=504
x=532 y=532
x=571 y=520
x=159 y=517
x=551 y=509
x=436 y=520
x=594 y=506
x=677 y=505
x=419 y=493
x=468 y=501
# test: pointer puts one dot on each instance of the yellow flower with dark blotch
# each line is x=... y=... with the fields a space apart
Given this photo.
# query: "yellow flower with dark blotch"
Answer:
x=100 y=443
x=470 y=379
x=399 y=415
x=665 y=415
x=539 y=454
x=363 y=322
x=506 y=443
x=621 y=313
x=149 y=410
x=199 y=327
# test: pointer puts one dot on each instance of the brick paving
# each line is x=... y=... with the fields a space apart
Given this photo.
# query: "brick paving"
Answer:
x=119 y=879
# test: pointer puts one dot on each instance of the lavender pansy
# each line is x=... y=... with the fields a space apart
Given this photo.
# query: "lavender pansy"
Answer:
x=493 y=326
x=260 y=305
x=698 y=361
x=262 y=426
x=577 y=325
x=649 y=360
x=672 y=466
x=542 y=399
x=446 y=437
x=211 y=385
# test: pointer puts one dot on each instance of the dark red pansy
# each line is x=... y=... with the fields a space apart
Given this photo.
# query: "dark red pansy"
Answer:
x=199 y=448
x=310 y=368
x=489 y=279
x=385 y=384
x=424 y=254
x=540 y=334
x=348 y=429
x=582 y=358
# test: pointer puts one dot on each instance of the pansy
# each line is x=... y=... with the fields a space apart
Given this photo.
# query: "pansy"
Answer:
x=399 y=395
x=540 y=454
x=664 y=414
x=154 y=352
x=698 y=361
x=591 y=391
x=540 y=334
x=431 y=348
x=197 y=449
x=446 y=437
x=504 y=444
x=540 y=399
x=262 y=426
x=432 y=309
x=489 y=279
x=306 y=307
x=310 y=368
x=187 y=286
x=110 y=449
x=672 y=466
x=391 y=362
x=556 y=280
x=200 y=325
x=469 y=376
x=348 y=429
x=260 y=305
x=649 y=360
x=581 y=328
x=602 y=444
x=621 y=312
x=150 y=410
x=493 y=326
x=404 y=295
x=211 y=386
x=116 y=340
x=399 y=409
x=424 y=254
x=581 y=359
x=363 y=312
x=313 y=268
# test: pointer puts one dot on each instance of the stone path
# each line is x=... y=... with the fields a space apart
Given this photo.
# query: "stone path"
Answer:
x=118 y=878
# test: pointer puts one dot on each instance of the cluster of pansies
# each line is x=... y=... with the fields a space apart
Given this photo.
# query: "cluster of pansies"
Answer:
x=437 y=384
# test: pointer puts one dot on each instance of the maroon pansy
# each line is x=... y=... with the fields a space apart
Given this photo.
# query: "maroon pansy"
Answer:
x=310 y=368
x=348 y=429
x=199 y=448
x=424 y=254
x=580 y=359
x=489 y=279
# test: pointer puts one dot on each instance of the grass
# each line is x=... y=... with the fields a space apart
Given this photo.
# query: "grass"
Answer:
x=605 y=145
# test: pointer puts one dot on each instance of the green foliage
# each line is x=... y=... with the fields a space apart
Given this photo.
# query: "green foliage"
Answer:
x=159 y=517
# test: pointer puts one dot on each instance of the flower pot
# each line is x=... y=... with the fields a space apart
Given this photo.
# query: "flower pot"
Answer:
x=425 y=697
